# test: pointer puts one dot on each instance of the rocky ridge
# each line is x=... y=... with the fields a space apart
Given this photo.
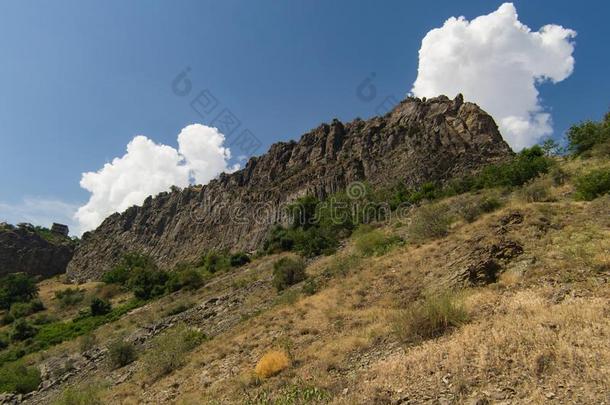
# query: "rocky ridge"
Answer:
x=23 y=249
x=418 y=141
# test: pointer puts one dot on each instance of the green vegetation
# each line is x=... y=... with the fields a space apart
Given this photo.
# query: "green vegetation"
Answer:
x=430 y=221
x=100 y=307
x=288 y=271
x=431 y=318
x=373 y=242
x=593 y=184
x=121 y=353
x=239 y=259
x=169 y=351
x=587 y=136
x=54 y=333
x=17 y=287
x=22 y=330
x=87 y=394
x=18 y=378
x=69 y=297
x=472 y=207
x=289 y=395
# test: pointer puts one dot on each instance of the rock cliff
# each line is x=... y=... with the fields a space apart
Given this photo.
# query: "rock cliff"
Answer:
x=418 y=141
x=28 y=250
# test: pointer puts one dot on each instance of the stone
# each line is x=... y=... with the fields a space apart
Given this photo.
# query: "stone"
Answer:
x=417 y=142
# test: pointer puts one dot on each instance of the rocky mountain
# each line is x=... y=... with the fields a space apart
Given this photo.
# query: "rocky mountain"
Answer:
x=34 y=251
x=418 y=141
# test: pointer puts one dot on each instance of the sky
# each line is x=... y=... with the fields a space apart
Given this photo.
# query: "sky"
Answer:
x=103 y=103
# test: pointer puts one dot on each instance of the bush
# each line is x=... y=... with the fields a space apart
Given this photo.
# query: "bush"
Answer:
x=288 y=271
x=239 y=259
x=69 y=297
x=271 y=363
x=129 y=263
x=22 y=330
x=18 y=378
x=593 y=184
x=3 y=342
x=121 y=353
x=470 y=208
x=17 y=287
x=528 y=164
x=278 y=240
x=584 y=137
x=23 y=309
x=431 y=318
x=169 y=351
x=373 y=242
x=537 y=190
x=147 y=282
x=429 y=222
x=215 y=261
x=188 y=278
x=100 y=307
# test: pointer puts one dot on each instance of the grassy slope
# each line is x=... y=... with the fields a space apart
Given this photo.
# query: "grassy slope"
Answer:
x=539 y=333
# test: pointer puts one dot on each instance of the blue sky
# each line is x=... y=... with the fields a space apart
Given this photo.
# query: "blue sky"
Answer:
x=79 y=79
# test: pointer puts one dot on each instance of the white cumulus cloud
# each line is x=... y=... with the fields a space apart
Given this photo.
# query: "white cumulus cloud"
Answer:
x=148 y=168
x=497 y=61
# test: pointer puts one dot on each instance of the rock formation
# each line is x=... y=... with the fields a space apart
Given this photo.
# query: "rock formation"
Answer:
x=29 y=250
x=418 y=141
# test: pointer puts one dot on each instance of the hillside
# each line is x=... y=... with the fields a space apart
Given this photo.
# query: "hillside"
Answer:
x=419 y=141
x=483 y=289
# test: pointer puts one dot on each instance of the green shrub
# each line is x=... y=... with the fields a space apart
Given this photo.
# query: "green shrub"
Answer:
x=314 y=241
x=17 y=287
x=472 y=207
x=187 y=278
x=342 y=265
x=215 y=261
x=69 y=297
x=18 y=378
x=169 y=351
x=288 y=271
x=121 y=353
x=431 y=318
x=239 y=259
x=147 y=282
x=537 y=190
x=87 y=394
x=100 y=307
x=373 y=242
x=3 y=341
x=22 y=330
x=593 y=184
x=528 y=164
x=129 y=263
x=278 y=240
x=584 y=137
x=429 y=222
x=43 y=319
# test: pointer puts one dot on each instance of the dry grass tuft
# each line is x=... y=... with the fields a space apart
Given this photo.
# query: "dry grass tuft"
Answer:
x=431 y=318
x=271 y=363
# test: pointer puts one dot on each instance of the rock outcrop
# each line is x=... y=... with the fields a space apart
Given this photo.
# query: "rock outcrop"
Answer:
x=418 y=141
x=26 y=249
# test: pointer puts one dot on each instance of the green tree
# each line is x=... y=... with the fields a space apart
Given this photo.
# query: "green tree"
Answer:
x=17 y=287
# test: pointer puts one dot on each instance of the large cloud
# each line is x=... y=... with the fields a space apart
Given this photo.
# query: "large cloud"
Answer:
x=497 y=61
x=149 y=168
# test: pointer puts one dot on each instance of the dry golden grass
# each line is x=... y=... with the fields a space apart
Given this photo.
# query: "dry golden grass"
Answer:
x=272 y=363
